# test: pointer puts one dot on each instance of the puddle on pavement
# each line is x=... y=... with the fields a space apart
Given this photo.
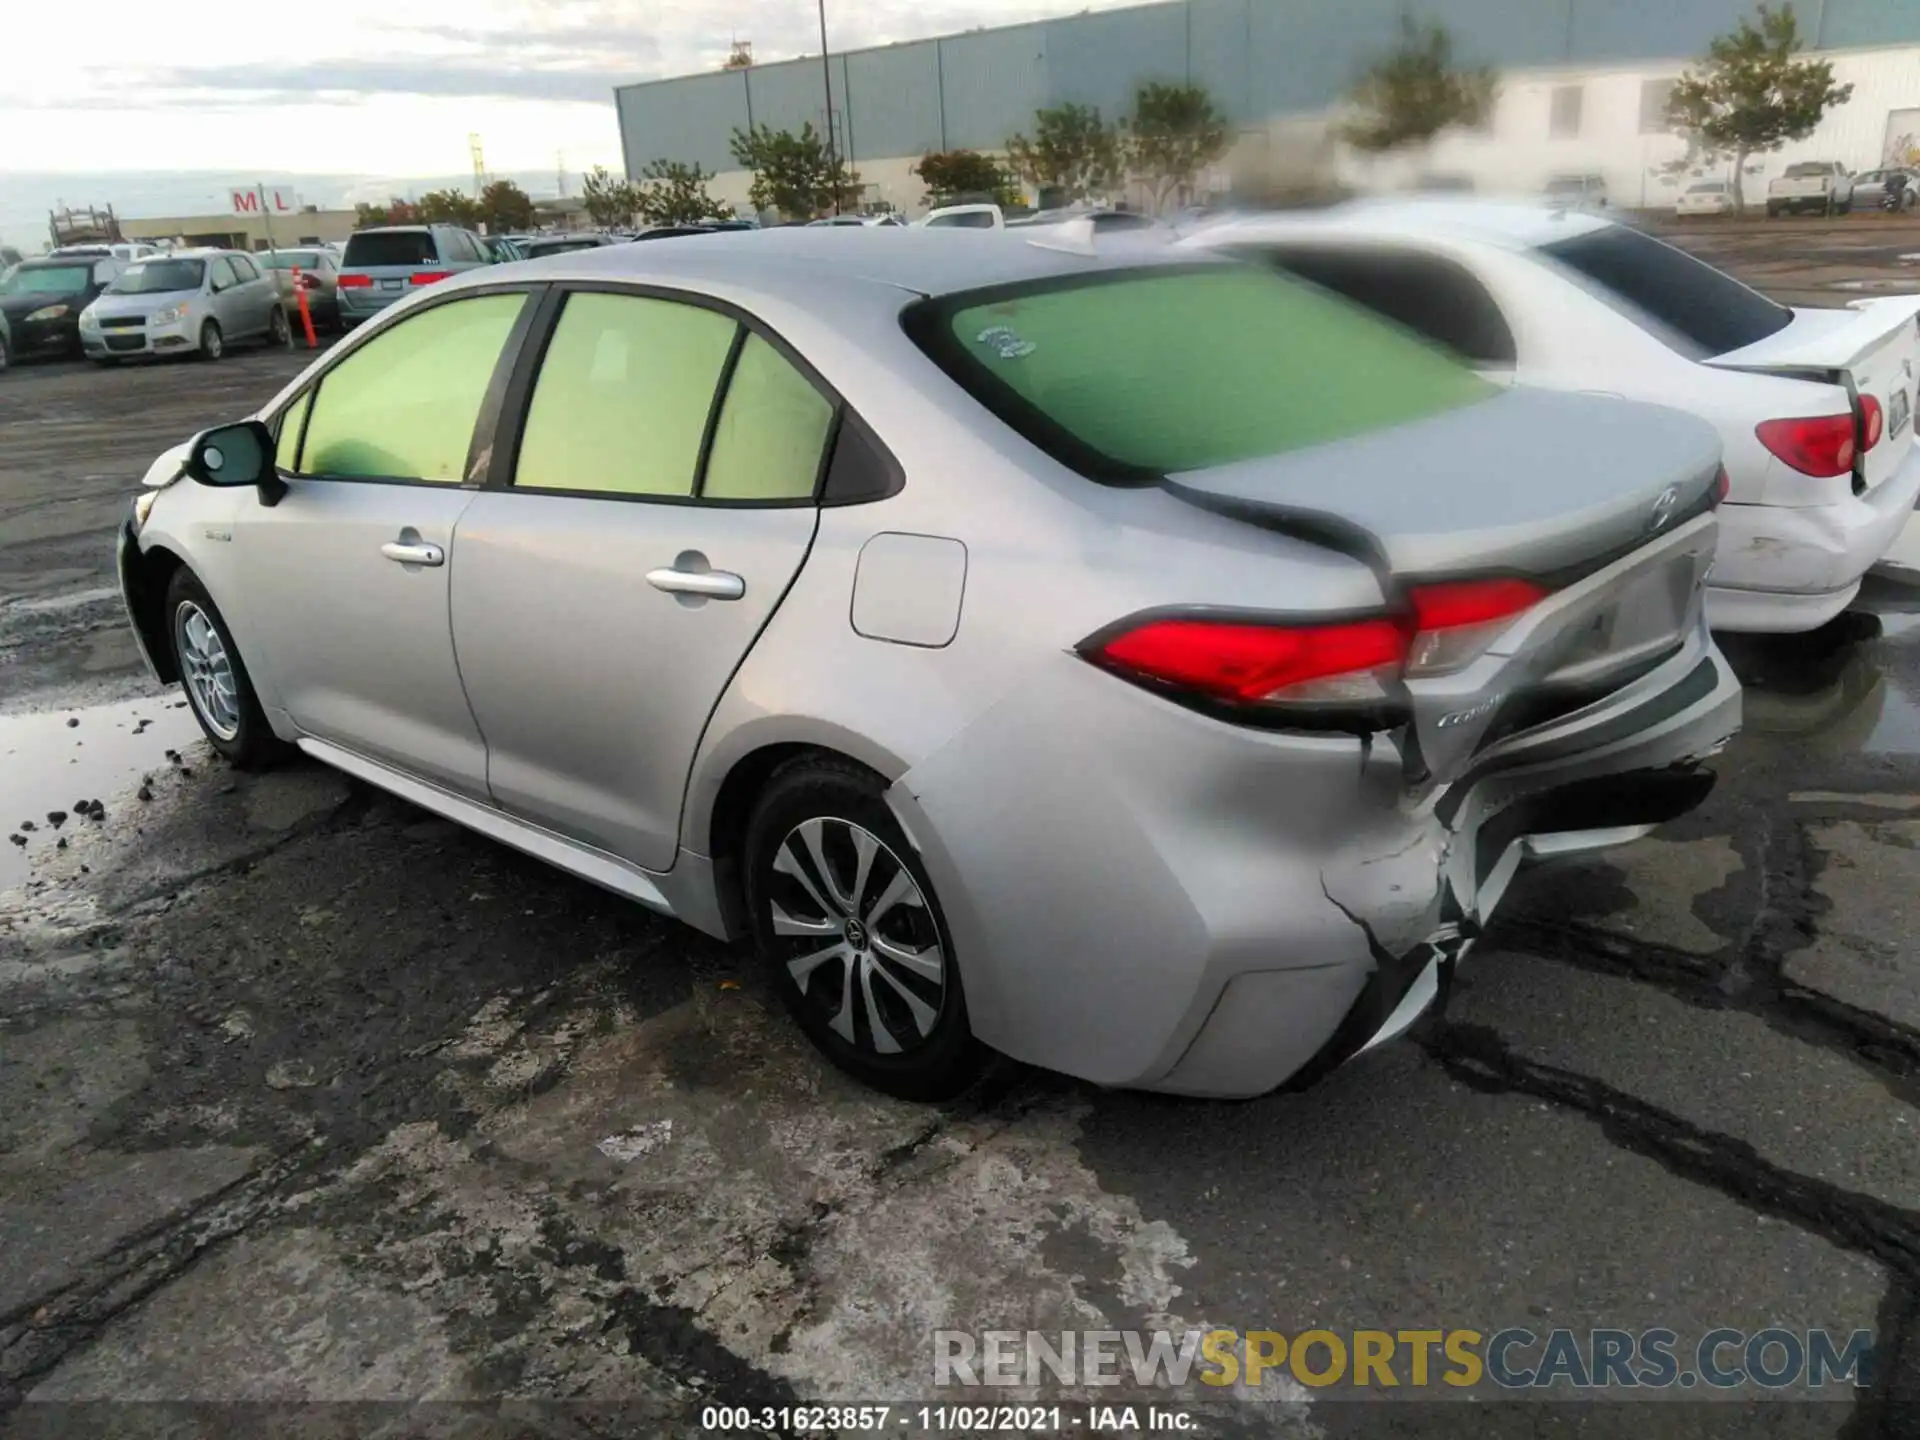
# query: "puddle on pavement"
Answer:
x=52 y=761
x=1845 y=688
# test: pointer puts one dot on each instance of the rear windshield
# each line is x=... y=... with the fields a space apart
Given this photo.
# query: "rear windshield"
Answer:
x=390 y=247
x=1142 y=373
x=1702 y=310
x=1711 y=187
x=558 y=247
x=966 y=220
x=1807 y=171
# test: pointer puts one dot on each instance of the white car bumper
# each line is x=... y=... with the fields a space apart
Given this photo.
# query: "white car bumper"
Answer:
x=1786 y=569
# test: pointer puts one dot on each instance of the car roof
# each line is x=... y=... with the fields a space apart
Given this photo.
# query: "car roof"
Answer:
x=1505 y=224
x=790 y=262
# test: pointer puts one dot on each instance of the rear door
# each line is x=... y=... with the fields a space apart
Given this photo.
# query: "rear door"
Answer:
x=652 y=506
x=349 y=570
x=255 y=295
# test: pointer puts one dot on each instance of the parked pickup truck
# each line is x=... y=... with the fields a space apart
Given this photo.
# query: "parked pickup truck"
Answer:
x=1822 y=185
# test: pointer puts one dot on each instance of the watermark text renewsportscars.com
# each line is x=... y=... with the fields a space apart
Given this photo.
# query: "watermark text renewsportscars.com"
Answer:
x=1724 y=1358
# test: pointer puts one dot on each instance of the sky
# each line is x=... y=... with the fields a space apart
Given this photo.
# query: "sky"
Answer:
x=356 y=90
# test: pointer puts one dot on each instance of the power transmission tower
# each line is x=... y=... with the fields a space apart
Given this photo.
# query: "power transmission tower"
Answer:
x=479 y=165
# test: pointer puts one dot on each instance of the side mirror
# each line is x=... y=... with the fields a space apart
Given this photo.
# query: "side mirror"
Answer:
x=233 y=455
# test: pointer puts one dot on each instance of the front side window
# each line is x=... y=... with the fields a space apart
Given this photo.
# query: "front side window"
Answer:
x=623 y=396
x=773 y=428
x=403 y=406
x=1694 y=307
x=1144 y=373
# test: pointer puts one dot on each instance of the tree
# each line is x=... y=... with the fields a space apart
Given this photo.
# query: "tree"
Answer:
x=1174 y=133
x=448 y=207
x=740 y=57
x=793 y=173
x=1750 y=96
x=1413 y=92
x=395 y=212
x=609 y=201
x=676 y=194
x=1073 y=151
x=953 y=175
x=505 y=207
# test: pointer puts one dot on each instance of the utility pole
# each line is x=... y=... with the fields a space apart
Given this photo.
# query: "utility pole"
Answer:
x=266 y=213
x=826 y=82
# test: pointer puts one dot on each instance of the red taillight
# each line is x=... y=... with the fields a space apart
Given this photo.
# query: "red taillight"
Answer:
x=1820 y=445
x=1343 y=662
x=1873 y=422
x=1232 y=660
x=1472 y=602
x=427 y=277
x=353 y=282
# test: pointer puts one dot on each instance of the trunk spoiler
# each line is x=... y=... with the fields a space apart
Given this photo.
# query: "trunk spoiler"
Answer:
x=1832 y=347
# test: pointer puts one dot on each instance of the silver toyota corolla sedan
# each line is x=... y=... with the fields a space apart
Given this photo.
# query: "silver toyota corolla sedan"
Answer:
x=1135 y=663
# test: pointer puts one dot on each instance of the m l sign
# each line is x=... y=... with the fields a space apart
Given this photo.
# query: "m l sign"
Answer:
x=265 y=200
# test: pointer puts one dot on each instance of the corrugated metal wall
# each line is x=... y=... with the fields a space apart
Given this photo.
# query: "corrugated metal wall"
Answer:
x=1258 y=58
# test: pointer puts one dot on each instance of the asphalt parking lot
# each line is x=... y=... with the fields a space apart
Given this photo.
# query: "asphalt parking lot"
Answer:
x=305 y=1094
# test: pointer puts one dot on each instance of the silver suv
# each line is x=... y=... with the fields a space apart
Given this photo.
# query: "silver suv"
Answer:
x=384 y=265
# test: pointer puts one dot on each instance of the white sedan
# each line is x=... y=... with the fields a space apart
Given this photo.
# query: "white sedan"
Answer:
x=1814 y=407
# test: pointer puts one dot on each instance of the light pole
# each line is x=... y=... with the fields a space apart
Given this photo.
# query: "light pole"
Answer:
x=826 y=84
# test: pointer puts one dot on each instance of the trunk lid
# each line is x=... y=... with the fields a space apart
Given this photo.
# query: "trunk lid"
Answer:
x=1605 y=504
x=1872 y=348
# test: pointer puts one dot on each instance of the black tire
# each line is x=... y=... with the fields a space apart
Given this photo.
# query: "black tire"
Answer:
x=251 y=745
x=934 y=1064
x=213 y=345
x=279 y=333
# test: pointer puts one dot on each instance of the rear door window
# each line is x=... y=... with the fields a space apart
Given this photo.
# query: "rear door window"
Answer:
x=623 y=397
x=390 y=247
x=1134 y=374
x=1695 y=308
x=1433 y=297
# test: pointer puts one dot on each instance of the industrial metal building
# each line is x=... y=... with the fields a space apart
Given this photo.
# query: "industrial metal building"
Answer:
x=1583 y=86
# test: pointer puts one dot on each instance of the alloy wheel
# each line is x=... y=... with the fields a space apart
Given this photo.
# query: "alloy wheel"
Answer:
x=860 y=940
x=207 y=669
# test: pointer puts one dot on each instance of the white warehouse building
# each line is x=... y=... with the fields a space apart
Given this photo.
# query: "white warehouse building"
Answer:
x=1583 y=85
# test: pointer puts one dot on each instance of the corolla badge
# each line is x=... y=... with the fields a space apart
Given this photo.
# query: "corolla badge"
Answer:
x=1664 y=507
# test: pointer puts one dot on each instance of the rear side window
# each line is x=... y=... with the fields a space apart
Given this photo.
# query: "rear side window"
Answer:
x=772 y=431
x=390 y=247
x=1136 y=374
x=1702 y=311
x=624 y=392
x=403 y=406
x=1433 y=297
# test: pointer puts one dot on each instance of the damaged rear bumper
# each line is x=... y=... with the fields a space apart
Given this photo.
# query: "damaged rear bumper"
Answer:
x=1144 y=897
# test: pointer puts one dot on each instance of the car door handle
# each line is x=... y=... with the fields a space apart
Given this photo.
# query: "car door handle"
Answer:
x=415 y=554
x=711 y=584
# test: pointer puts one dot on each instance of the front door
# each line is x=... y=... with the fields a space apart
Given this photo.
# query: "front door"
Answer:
x=352 y=567
x=605 y=596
